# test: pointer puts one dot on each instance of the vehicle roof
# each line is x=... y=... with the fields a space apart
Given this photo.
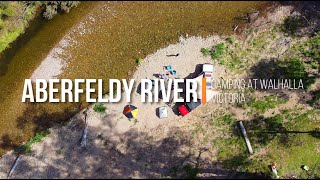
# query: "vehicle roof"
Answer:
x=207 y=67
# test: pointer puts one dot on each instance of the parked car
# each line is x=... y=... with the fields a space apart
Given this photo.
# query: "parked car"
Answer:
x=193 y=105
x=207 y=70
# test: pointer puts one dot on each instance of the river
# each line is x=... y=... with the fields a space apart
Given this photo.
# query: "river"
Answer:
x=107 y=37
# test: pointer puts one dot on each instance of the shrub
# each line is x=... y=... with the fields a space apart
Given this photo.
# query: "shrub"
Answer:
x=205 y=51
x=139 y=61
x=230 y=40
x=294 y=69
x=52 y=7
x=315 y=101
x=311 y=48
x=9 y=11
x=292 y=24
x=218 y=51
x=99 y=107
x=26 y=148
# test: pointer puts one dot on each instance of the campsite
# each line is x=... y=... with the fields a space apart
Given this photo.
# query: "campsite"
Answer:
x=159 y=90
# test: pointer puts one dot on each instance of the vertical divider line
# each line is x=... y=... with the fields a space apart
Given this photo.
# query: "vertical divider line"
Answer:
x=204 y=89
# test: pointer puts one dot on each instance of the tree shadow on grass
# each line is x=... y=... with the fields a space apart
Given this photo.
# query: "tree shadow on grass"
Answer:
x=262 y=130
x=291 y=70
x=132 y=154
x=306 y=22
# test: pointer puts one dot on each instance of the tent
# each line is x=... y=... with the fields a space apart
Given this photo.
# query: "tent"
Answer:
x=130 y=111
x=162 y=112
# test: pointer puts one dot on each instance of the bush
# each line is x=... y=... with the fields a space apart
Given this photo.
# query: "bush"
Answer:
x=52 y=7
x=218 y=51
x=9 y=11
x=99 y=107
x=294 y=69
x=311 y=48
x=205 y=51
x=230 y=40
x=315 y=101
x=26 y=148
x=2 y=24
x=139 y=61
x=292 y=24
x=50 y=12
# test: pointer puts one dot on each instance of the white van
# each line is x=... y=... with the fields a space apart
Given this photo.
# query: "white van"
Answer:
x=207 y=70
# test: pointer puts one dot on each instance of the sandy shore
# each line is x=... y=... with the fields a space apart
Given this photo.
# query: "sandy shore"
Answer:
x=116 y=146
x=57 y=59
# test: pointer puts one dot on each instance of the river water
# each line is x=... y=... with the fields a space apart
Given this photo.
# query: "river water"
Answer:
x=107 y=38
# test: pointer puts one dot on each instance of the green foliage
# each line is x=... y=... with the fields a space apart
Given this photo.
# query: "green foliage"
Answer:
x=26 y=148
x=293 y=69
x=230 y=40
x=218 y=51
x=139 y=61
x=53 y=7
x=2 y=24
x=191 y=172
x=315 y=101
x=269 y=146
x=9 y=37
x=9 y=11
x=205 y=51
x=14 y=19
x=292 y=24
x=228 y=119
x=51 y=11
x=4 y=4
x=311 y=48
x=99 y=107
x=265 y=104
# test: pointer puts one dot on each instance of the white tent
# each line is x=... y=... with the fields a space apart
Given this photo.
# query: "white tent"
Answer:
x=163 y=112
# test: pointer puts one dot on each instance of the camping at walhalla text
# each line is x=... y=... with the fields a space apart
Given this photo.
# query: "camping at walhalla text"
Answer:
x=70 y=91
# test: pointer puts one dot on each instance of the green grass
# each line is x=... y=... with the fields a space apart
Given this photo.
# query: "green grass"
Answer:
x=290 y=138
x=218 y=51
x=26 y=148
x=215 y=52
x=206 y=51
x=301 y=148
x=269 y=102
x=99 y=107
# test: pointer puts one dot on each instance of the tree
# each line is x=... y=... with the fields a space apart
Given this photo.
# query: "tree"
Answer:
x=53 y=7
